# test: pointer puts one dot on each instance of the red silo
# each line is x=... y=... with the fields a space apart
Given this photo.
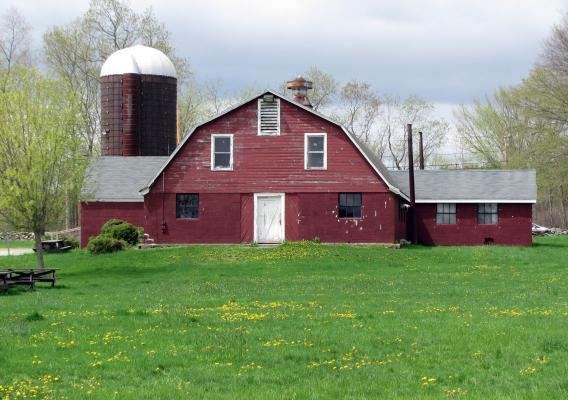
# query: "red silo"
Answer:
x=138 y=103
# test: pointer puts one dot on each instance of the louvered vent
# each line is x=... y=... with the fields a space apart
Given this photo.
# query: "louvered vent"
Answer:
x=269 y=116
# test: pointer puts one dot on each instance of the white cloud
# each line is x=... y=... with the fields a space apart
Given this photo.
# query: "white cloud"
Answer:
x=446 y=51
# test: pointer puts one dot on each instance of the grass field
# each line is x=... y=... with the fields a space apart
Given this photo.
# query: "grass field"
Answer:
x=16 y=244
x=301 y=321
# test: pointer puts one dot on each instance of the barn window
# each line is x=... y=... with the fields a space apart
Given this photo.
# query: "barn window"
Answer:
x=269 y=115
x=315 y=149
x=222 y=152
x=488 y=213
x=349 y=205
x=187 y=205
x=446 y=214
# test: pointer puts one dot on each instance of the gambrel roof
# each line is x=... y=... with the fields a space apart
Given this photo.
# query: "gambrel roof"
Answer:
x=365 y=151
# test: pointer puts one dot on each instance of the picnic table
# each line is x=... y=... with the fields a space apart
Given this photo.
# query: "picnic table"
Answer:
x=26 y=277
x=53 y=246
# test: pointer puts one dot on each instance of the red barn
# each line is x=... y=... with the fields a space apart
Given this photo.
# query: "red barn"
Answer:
x=271 y=169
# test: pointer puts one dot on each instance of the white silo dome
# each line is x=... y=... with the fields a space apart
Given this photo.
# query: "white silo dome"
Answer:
x=138 y=59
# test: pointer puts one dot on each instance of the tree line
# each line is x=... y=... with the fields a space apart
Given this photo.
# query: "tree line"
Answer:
x=525 y=126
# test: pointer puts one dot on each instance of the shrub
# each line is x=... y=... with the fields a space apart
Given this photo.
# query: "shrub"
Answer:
x=105 y=230
x=125 y=231
x=70 y=241
x=104 y=244
x=122 y=230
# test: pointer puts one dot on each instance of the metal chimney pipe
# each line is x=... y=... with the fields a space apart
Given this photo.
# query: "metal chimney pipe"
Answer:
x=412 y=194
x=421 y=151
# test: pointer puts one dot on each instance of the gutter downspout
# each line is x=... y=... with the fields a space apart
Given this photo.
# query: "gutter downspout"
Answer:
x=412 y=194
x=164 y=225
x=421 y=151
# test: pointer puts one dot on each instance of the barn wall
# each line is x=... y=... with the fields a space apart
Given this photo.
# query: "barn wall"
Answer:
x=95 y=214
x=229 y=218
x=219 y=219
x=514 y=227
x=315 y=214
x=269 y=163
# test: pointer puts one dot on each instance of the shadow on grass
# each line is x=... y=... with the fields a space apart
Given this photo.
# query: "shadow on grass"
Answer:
x=552 y=245
x=18 y=290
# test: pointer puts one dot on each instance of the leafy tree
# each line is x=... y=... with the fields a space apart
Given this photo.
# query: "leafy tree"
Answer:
x=40 y=155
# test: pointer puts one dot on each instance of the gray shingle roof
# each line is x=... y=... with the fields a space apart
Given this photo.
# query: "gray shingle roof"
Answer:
x=470 y=185
x=119 y=178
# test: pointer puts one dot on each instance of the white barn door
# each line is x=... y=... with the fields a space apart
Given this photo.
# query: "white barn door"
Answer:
x=269 y=218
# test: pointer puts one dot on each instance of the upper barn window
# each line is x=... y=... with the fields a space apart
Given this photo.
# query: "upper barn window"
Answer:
x=446 y=213
x=269 y=115
x=222 y=152
x=315 y=149
x=487 y=213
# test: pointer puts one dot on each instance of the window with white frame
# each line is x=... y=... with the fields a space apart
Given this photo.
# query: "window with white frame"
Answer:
x=221 y=152
x=315 y=149
x=446 y=214
x=269 y=115
x=488 y=213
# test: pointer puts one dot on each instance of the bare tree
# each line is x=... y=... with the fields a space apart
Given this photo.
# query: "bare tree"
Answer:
x=324 y=91
x=14 y=43
x=390 y=135
x=359 y=108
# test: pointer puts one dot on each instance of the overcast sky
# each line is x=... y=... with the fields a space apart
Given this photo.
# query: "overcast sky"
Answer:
x=446 y=51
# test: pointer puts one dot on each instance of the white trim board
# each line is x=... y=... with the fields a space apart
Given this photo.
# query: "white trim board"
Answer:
x=283 y=211
x=476 y=201
x=221 y=135
x=306 y=136
x=259 y=133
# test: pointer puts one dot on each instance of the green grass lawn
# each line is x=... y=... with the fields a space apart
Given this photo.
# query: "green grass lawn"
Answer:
x=16 y=244
x=301 y=321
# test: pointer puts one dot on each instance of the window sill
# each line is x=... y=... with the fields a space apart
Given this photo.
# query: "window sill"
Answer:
x=316 y=168
x=187 y=219
x=221 y=169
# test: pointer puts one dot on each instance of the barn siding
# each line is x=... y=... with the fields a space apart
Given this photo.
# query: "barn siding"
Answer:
x=318 y=216
x=219 y=219
x=95 y=214
x=514 y=227
x=229 y=218
x=269 y=163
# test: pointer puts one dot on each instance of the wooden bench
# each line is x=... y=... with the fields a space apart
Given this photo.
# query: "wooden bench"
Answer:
x=26 y=277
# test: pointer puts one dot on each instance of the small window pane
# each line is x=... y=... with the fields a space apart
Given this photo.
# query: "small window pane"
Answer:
x=222 y=145
x=222 y=160
x=488 y=213
x=315 y=143
x=187 y=206
x=349 y=205
x=446 y=213
x=315 y=160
